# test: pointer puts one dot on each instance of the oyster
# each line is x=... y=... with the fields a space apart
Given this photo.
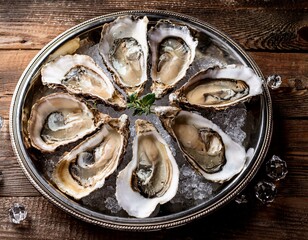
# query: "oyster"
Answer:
x=58 y=119
x=219 y=87
x=79 y=74
x=206 y=147
x=173 y=50
x=124 y=48
x=69 y=47
x=84 y=169
x=151 y=178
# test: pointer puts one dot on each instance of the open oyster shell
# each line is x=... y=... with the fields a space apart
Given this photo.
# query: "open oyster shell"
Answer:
x=84 y=168
x=173 y=50
x=79 y=74
x=218 y=87
x=124 y=49
x=69 y=47
x=206 y=147
x=58 y=119
x=152 y=176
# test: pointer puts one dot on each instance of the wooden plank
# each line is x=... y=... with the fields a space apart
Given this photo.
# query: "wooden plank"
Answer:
x=14 y=182
x=284 y=218
x=290 y=136
x=13 y=63
x=290 y=66
x=108 y=4
x=291 y=99
x=274 y=29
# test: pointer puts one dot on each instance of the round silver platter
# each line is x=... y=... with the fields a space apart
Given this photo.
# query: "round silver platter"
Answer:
x=255 y=130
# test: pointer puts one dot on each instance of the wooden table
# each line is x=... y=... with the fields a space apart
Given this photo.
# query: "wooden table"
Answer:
x=274 y=33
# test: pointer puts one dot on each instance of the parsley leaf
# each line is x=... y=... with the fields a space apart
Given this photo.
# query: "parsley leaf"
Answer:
x=141 y=105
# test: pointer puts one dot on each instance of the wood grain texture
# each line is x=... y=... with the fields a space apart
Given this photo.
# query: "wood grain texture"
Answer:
x=275 y=33
x=45 y=221
x=257 y=27
x=291 y=99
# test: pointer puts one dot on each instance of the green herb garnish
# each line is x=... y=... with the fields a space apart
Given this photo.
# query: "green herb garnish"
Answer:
x=141 y=105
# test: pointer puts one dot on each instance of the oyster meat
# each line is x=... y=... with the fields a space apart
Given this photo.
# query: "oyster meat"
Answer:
x=219 y=87
x=84 y=169
x=173 y=50
x=58 y=119
x=124 y=48
x=206 y=147
x=79 y=74
x=152 y=176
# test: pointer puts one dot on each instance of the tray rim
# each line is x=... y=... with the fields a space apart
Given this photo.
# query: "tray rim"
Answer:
x=137 y=226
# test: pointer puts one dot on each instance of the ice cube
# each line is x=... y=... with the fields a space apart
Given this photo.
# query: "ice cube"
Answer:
x=241 y=199
x=274 y=81
x=276 y=168
x=17 y=213
x=265 y=191
x=112 y=205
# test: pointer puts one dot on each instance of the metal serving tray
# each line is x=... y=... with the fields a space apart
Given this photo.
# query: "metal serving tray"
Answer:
x=259 y=127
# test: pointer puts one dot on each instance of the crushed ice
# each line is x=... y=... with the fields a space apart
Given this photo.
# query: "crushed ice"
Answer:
x=231 y=121
x=192 y=186
x=112 y=204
